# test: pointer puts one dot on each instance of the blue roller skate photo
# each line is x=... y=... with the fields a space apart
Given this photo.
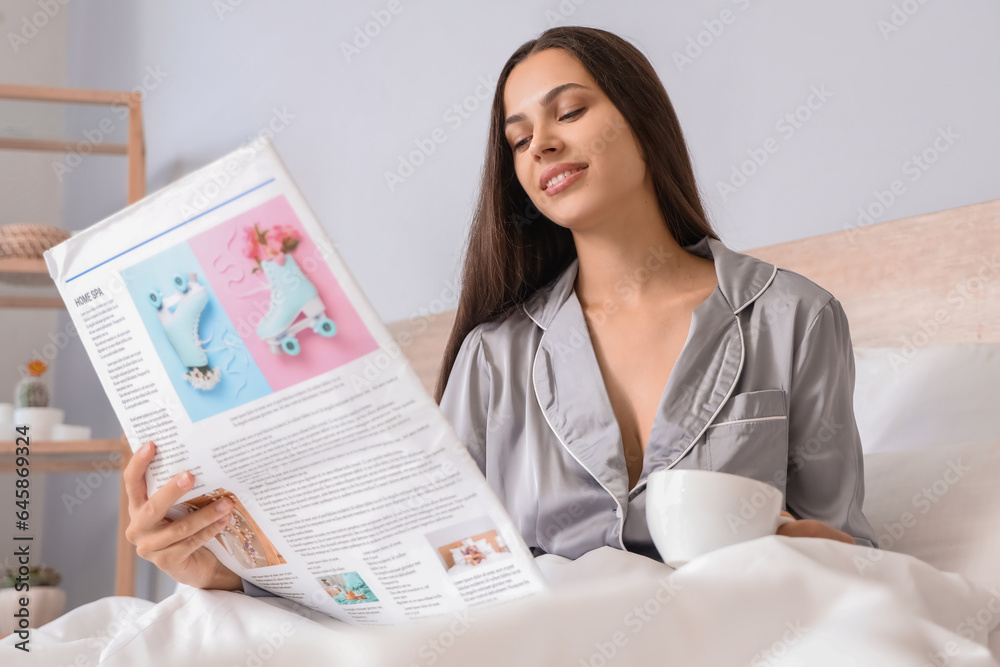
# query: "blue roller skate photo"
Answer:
x=291 y=294
x=180 y=315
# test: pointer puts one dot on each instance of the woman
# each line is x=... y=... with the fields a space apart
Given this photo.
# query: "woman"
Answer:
x=604 y=331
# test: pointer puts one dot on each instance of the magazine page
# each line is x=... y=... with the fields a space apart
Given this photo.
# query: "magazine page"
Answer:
x=225 y=328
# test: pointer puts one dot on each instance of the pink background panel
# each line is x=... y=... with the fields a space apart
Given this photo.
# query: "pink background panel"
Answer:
x=220 y=253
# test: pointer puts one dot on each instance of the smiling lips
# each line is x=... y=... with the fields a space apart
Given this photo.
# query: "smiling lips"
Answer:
x=558 y=177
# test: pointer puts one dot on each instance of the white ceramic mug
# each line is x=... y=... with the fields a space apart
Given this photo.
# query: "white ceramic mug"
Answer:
x=693 y=512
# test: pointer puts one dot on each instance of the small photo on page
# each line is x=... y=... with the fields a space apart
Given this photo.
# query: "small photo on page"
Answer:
x=244 y=309
x=469 y=545
x=242 y=537
x=347 y=588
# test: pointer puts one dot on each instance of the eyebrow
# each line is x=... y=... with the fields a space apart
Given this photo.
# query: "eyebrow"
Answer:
x=545 y=101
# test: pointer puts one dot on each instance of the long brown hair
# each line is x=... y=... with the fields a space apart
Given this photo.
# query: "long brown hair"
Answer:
x=513 y=249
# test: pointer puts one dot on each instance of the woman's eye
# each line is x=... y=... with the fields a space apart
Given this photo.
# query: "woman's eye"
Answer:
x=571 y=114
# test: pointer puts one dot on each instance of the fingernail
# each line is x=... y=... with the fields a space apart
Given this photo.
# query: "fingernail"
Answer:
x=224 y=506
x=185 y=480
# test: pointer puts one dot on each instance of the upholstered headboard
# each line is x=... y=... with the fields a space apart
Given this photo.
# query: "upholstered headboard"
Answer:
x=924 y=280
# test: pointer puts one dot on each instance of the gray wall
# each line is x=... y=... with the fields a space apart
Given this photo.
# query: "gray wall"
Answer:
x=220 y=78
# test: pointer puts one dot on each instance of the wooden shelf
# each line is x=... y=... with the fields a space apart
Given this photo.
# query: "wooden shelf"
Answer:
x=66 y=455
x=79 y=455
x=112 y=98
x=32 y=302
x=33 y=267
x=56 y=146
x=19 y=265
x=68 y=446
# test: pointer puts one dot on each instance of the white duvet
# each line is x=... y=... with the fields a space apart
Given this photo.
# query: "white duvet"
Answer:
x=774 y=600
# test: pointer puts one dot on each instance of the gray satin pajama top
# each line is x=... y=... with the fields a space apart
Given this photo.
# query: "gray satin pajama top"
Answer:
x=763 y=388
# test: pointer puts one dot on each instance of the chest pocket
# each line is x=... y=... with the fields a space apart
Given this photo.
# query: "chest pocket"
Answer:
x=749 y=437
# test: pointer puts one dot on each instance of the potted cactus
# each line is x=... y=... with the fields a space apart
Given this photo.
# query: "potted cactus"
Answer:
x=31 y=403
x=46 y=601
x=31 y=392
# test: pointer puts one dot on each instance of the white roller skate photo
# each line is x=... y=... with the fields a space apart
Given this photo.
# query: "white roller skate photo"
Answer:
x=180 y=315
x=292 y=294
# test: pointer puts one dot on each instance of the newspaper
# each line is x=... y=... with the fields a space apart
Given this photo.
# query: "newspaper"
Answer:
x=225 y=328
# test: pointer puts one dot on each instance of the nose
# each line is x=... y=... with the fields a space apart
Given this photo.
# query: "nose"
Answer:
x=543 y=141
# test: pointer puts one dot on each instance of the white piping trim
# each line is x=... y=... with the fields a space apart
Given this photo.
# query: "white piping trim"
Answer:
x=620 y=512
x=745 y=421
x=639 y=487
x=774 y=271
x=739 y=327
x=524 y=307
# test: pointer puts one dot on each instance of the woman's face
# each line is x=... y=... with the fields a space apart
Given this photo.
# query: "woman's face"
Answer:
x=558 y=120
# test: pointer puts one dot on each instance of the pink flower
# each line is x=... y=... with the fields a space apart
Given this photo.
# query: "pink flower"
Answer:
x=272 y=249
x=273 y=241
x=287 y=232
x=251 y=247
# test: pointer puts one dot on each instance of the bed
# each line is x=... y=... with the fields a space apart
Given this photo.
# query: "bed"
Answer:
x=922 y=298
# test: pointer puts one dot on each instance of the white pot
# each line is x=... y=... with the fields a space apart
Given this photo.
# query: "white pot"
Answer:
x=39 y=421
x=69 y=432
x=45 y=603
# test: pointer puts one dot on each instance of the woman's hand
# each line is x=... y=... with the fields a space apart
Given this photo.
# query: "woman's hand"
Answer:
x=176 y=547
x=812 y=528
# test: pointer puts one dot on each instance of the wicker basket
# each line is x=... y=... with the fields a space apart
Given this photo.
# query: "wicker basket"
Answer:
x=24 y=241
